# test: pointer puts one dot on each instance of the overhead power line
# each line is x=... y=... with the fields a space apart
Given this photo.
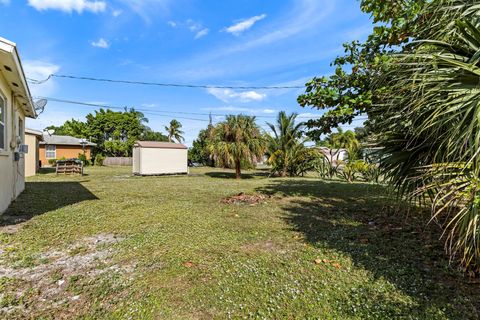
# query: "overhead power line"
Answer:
x=162 y=113
x=117 y=108
x=160 y=84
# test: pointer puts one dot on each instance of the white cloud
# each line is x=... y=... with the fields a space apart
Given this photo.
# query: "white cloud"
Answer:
x=234 y=109
x=101 y=43
x=309 y=115
x=116 y=13
x=244 y=25
x=202 y=33
x=172 y=24
x=69 y=5
x=40 y=70
x=229 y=95
x=148 y=9
x=197 y=28
x=269 y=111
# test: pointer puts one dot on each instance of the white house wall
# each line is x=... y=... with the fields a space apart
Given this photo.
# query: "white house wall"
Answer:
x=155 y=161
x=12 y=180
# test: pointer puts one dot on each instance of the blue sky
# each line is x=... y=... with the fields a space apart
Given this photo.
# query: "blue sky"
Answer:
x=231 y=42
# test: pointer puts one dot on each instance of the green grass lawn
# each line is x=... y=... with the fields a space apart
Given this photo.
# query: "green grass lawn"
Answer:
x=109 y=245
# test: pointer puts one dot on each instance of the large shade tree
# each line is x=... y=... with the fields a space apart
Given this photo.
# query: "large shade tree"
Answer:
x=236 y=141
x=114 y=132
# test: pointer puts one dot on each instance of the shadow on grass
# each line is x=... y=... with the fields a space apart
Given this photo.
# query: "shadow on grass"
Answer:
x=46 y=170
x=231 y=175
x=41 y=197
x=50 y=170
x=381 y=236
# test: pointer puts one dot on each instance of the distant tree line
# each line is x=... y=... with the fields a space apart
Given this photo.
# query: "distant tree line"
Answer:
x=114 y=132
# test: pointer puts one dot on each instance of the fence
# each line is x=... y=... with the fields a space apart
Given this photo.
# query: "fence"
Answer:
x=118 y=161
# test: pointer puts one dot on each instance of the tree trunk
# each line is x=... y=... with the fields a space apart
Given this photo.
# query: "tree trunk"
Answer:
x=238 y=170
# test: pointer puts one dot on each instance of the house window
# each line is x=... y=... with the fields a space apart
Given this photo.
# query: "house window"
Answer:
x=50 y=151
x=3 y=110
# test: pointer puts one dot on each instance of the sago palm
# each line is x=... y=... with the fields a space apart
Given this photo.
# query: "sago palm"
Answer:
x=237 y=141
x=431 y=127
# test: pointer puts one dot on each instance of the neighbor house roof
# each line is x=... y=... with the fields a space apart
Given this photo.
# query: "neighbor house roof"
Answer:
x=12 y=70
x=33 y=132
x=64 y=140
x=160 y=145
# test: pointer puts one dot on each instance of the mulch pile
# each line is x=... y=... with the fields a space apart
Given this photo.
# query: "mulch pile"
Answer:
x=242 y=198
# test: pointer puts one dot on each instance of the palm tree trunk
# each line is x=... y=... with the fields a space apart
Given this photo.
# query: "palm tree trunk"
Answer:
x=238 y=169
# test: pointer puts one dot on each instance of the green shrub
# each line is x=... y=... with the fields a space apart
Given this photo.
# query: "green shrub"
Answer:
x=84 y=160
x=99 y=158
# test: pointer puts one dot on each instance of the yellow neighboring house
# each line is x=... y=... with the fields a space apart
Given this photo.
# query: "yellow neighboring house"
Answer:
x=32 y=158
x=15 y=105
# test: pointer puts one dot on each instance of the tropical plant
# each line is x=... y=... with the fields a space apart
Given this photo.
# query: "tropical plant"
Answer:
x=352 y=168
x=237 y=140
x=199 y=152
x=99 y=159
x=174 y=132
x=371 y=173
x=151 y=135
x=430 y=123
x=284 y=147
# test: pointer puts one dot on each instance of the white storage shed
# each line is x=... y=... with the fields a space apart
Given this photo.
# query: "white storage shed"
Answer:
x=159 y=158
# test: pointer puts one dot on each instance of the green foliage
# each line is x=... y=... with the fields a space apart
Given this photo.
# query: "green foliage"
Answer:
x=430 y=123
x=82 y=157
x=113 y=132
x=99 y=158
x=174 y=132
x=352 y=168
x=150 y=135
x=286 y=152
x=371 y=173
x=200 y=151
x=74 y=128
x=238 y=139
x=349 y=91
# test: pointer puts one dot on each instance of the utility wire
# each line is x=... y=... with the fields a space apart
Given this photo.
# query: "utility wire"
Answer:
x=178 y=85
x=118 y=108
x=167 y=113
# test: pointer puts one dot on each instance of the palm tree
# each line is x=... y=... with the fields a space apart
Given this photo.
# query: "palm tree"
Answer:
x=174 y=132
x=283 y=145
x=237 y=140
x=431 y=125
x=343 y=140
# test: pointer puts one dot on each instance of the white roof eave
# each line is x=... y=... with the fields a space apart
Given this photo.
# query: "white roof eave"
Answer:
x=11 y=49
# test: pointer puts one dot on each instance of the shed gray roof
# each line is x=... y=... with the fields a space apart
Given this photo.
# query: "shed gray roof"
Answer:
x=64 y=140
x=160 y=145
